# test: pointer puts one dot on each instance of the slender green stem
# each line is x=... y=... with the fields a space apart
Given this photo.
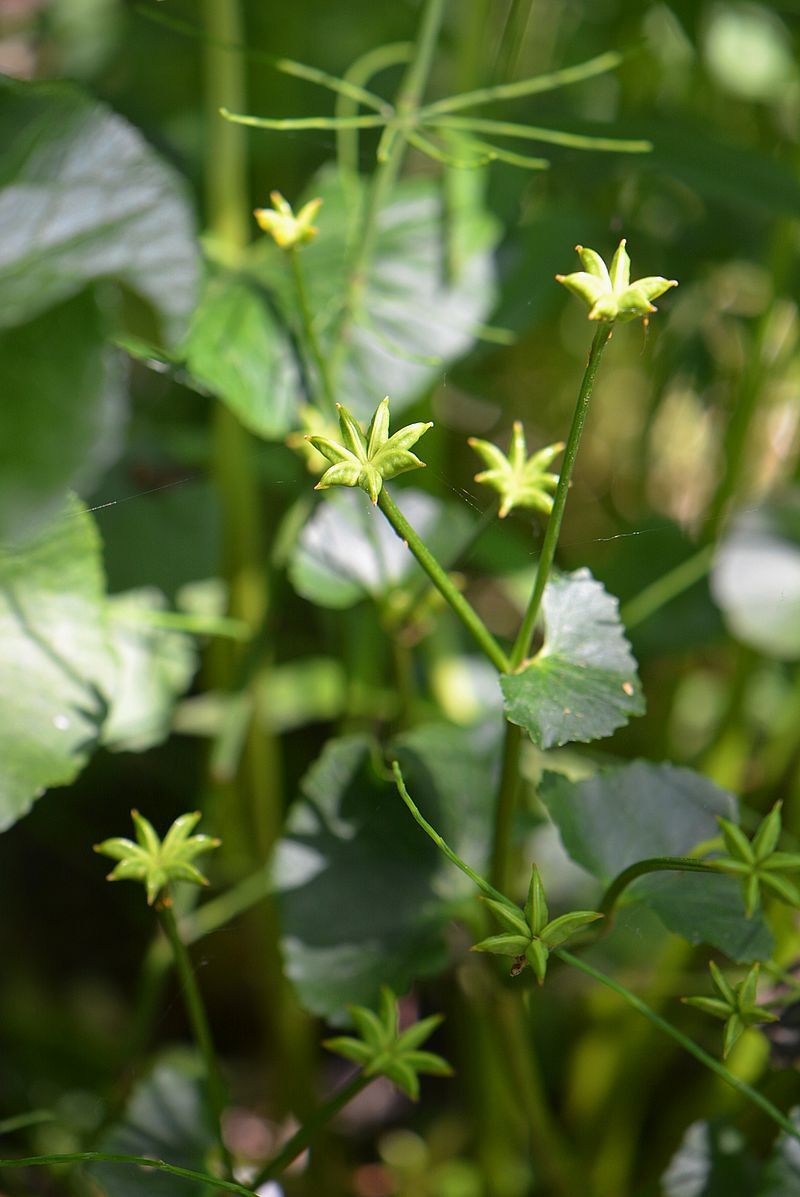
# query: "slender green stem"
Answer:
x=380 y=58
x=576 y=141
x=309 y=332
x=137 y=1161
x=523 y=641
x=525 y=87
x=22 y=1121
x=314 y=1123
x=505 y=805
x=655 y=864
x=481 y=882
x=685 y=1042
x=468 y=616
x=416 y=594
x=390 y=160
x=199 y=1022
x=296 y=124
x=191 y=622
x=669 y=586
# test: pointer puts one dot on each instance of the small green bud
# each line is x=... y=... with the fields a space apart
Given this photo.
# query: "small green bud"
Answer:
x=531 y=934
x=608 y=291
x=286 y=229
x=734 y=1004
x=368 y=461
x=384 y=1050
x=757 y=863
x=154 y=862
x=521 y=481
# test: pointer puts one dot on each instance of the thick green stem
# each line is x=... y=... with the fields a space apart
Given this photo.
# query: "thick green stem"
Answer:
x=309 y=332
x=685 y=1042
x=136 y=1161
x=468 y=616
x=233 y=453
x=504 y=807
x=199 y=1023
x=300 y=1141
x=554 y=1156
x=656 y=864
x=523 y=641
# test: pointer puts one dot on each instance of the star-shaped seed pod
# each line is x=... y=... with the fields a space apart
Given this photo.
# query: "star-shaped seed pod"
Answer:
x=530 y=935
x=368 y=461
x=155 y=862
x=735 y=1004
x=287 y=230
x=385 y=1050
x=608 y=291
x=521 y=481
x=756 y=863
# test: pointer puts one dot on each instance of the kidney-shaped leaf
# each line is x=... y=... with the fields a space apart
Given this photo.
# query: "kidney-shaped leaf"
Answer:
x=582 y=684
x=348 y=552
x=363 y=893
x=165 y=1119
x=61 y=405
x=54 y=659
x=639 y=811
x=83 y=197
x=756 y=579
x=239 y=350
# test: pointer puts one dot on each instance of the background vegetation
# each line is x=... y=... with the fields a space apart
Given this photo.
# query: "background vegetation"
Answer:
x=177 y=442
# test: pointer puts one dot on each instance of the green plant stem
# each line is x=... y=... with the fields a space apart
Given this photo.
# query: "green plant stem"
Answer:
x=309 y=333
x=199 y=1023
x=468 y=616
x=300 y=1141
x=415 y=595
x=234 y=468
x=656 y=864
x=685 y=1042
x=387 y=170
x=523 y=641
x=600 y=65
x=505 y=805
x=137 y=1161
x=376 y=60
x=553 y=1154
x=669 y=586
x=481 y=882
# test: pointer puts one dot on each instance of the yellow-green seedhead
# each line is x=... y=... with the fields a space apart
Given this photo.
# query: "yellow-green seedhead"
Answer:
x=155 y=862
x=368 y=461
x=735 y=1004
x=521 y=481
x=384 y=1050
x=608 y=291
x=286 y=229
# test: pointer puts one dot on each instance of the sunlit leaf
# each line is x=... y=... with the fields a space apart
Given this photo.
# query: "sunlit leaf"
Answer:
x=62 y=408
x=54 y=659
x=348 y=552
x=582 y=684
x=83 y=198
x=239 y=350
